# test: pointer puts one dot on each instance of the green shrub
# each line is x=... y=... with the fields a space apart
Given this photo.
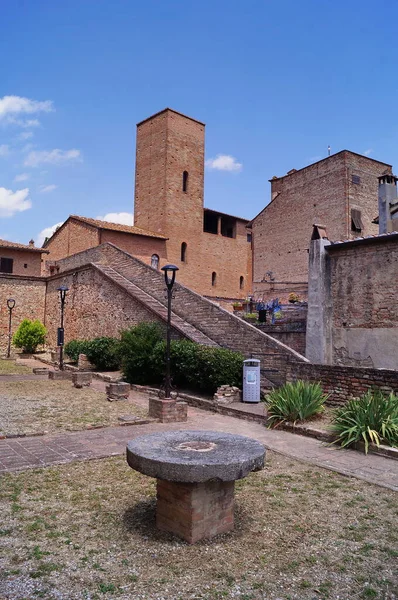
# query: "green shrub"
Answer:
x=29 y=335
x=76 y=347
x=251 y=316
x=103 y=353
x=136 y=353
x=294 y=402
x=371 y=418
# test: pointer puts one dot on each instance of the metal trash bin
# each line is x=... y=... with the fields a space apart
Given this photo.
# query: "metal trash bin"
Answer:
x=251 y=380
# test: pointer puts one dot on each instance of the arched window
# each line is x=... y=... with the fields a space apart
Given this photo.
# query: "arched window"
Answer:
x=241 y=282
x=183 y=252
x=155 y=261
x=213 y=278
x=185 y=181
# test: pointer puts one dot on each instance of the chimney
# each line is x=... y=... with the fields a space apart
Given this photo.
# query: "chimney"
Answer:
x=31 y=243
x=387 y=198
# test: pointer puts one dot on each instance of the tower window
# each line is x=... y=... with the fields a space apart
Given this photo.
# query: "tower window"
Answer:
x=185 y=181
x=356 y=221
x=249 y=237
x=356 y=179
x=6 y=265
x=241 y=282
x=155 y=261
x=183 y=252
x=210 y=222
x=213 y=278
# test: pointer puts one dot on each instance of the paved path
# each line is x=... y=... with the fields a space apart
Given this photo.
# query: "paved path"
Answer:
x=24 y=453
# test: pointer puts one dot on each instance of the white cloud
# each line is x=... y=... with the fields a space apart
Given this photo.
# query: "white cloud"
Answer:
x=123 y=218
x=224 y=162
x=25 y=135
x=47 y=233
x=13 y=107
x=368 y=152
x=44 y=189
x=4 y=150
x=21 y=177
x=53 y=157
x=13 y=202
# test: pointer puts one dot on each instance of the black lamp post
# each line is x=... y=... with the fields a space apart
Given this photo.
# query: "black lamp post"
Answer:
x=169 y=276
x=60 y=333
x=10 y=304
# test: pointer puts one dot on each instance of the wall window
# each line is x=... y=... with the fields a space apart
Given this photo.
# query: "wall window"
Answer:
x=228 y=226
x=183 y=252
x=249 y=237
x=155 y=261
x=210 y=222
x=185 y=181
x=25 y=266
x=6 y=265
x=356 y=220
x=241 y=282
x=213 y=278
x=356 y=179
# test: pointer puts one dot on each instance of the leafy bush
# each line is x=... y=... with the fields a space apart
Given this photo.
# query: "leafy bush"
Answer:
x=295 y=402
x=136 y=353
x=371 y=418
x=103 y=352
x=251 y=316
x=29 y=335
x=76 y=347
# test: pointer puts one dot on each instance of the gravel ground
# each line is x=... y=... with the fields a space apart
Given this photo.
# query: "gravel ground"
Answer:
x=86 y=531
x=28 y=407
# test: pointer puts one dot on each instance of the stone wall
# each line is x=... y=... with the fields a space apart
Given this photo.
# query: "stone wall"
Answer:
x=343 y=383
x=320 y=193
x=25 y=262
x=29 y=295
x=72 y=237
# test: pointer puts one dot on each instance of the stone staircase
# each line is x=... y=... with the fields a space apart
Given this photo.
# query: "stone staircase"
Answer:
x=194 y=316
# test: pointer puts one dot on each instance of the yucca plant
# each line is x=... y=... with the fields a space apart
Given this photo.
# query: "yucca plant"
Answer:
x=296 y=401
x=373 y=418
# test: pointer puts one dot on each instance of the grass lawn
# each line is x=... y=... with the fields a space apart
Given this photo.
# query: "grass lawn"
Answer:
x=86 y=531
x=35 y=406
x=9 y=367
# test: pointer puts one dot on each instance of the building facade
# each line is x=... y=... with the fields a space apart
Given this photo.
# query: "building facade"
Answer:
x=340 y=192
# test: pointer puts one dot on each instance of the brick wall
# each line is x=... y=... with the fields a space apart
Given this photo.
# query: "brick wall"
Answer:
x=320 y=193
x=219 y=325
x=71 y=238
x=140 y=246
x=29 y=296
x=343 y=383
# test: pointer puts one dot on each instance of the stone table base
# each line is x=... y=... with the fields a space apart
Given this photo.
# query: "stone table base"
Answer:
x=168 y=411
x=195 y=511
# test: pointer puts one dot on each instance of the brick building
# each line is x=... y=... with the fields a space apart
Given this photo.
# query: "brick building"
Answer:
x=20 y=259
x=211 y=249
x=340 y=191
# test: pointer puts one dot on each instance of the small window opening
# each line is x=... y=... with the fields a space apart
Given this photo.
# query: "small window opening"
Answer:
x=185 y=181
x=210 y=222
x=183 y=252
x=249 y=237
x=213 y=278
x=155 y=261
x=241 y=282
x=356 y=179
x=6 y=265
x=228 y=227
x=356 y=220
x=25 y=266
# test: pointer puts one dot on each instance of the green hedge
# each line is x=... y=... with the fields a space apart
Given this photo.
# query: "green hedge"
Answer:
x=102 y=352
x=76 y=347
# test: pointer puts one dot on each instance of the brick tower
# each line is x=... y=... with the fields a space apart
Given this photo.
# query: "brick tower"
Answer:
x=169 y=183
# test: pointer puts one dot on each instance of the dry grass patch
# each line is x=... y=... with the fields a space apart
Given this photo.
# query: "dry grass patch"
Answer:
x=35 y=406
x=10 y=367
x=86 y=531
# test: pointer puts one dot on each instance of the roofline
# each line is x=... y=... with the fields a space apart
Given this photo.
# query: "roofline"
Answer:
x=365 y=241
x=171 y=110
x=327 y=158
x=26 y=249
x=226 y=214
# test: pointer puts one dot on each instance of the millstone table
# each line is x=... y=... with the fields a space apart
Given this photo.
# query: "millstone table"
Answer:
x=196 y=473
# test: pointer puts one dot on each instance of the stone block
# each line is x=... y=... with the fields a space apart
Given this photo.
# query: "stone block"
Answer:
x=41 y=371
x=83 y=364
x=60 y=375
x=81 y=380
x=117 y=391
x=167 y=410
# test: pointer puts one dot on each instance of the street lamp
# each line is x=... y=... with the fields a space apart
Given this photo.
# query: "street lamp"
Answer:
x=60 y=333
x=169 y=276
x=10 y=304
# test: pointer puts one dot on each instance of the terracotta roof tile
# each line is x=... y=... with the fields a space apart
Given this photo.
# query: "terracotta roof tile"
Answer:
x=118 y=227
x=16 y=246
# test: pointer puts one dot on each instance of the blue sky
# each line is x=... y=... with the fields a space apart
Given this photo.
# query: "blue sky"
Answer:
x=275 y=83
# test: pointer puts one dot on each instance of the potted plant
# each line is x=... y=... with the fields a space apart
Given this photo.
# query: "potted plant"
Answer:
x=293 y=298
x=237 y=306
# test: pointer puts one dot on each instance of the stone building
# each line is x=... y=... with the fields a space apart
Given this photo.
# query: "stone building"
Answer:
x=211 y=249
x=339 y=191
x=20 y=259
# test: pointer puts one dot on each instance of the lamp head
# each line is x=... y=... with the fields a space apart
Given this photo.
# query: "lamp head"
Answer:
x=10 y=303
x=62 y=291
x=170 y=274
